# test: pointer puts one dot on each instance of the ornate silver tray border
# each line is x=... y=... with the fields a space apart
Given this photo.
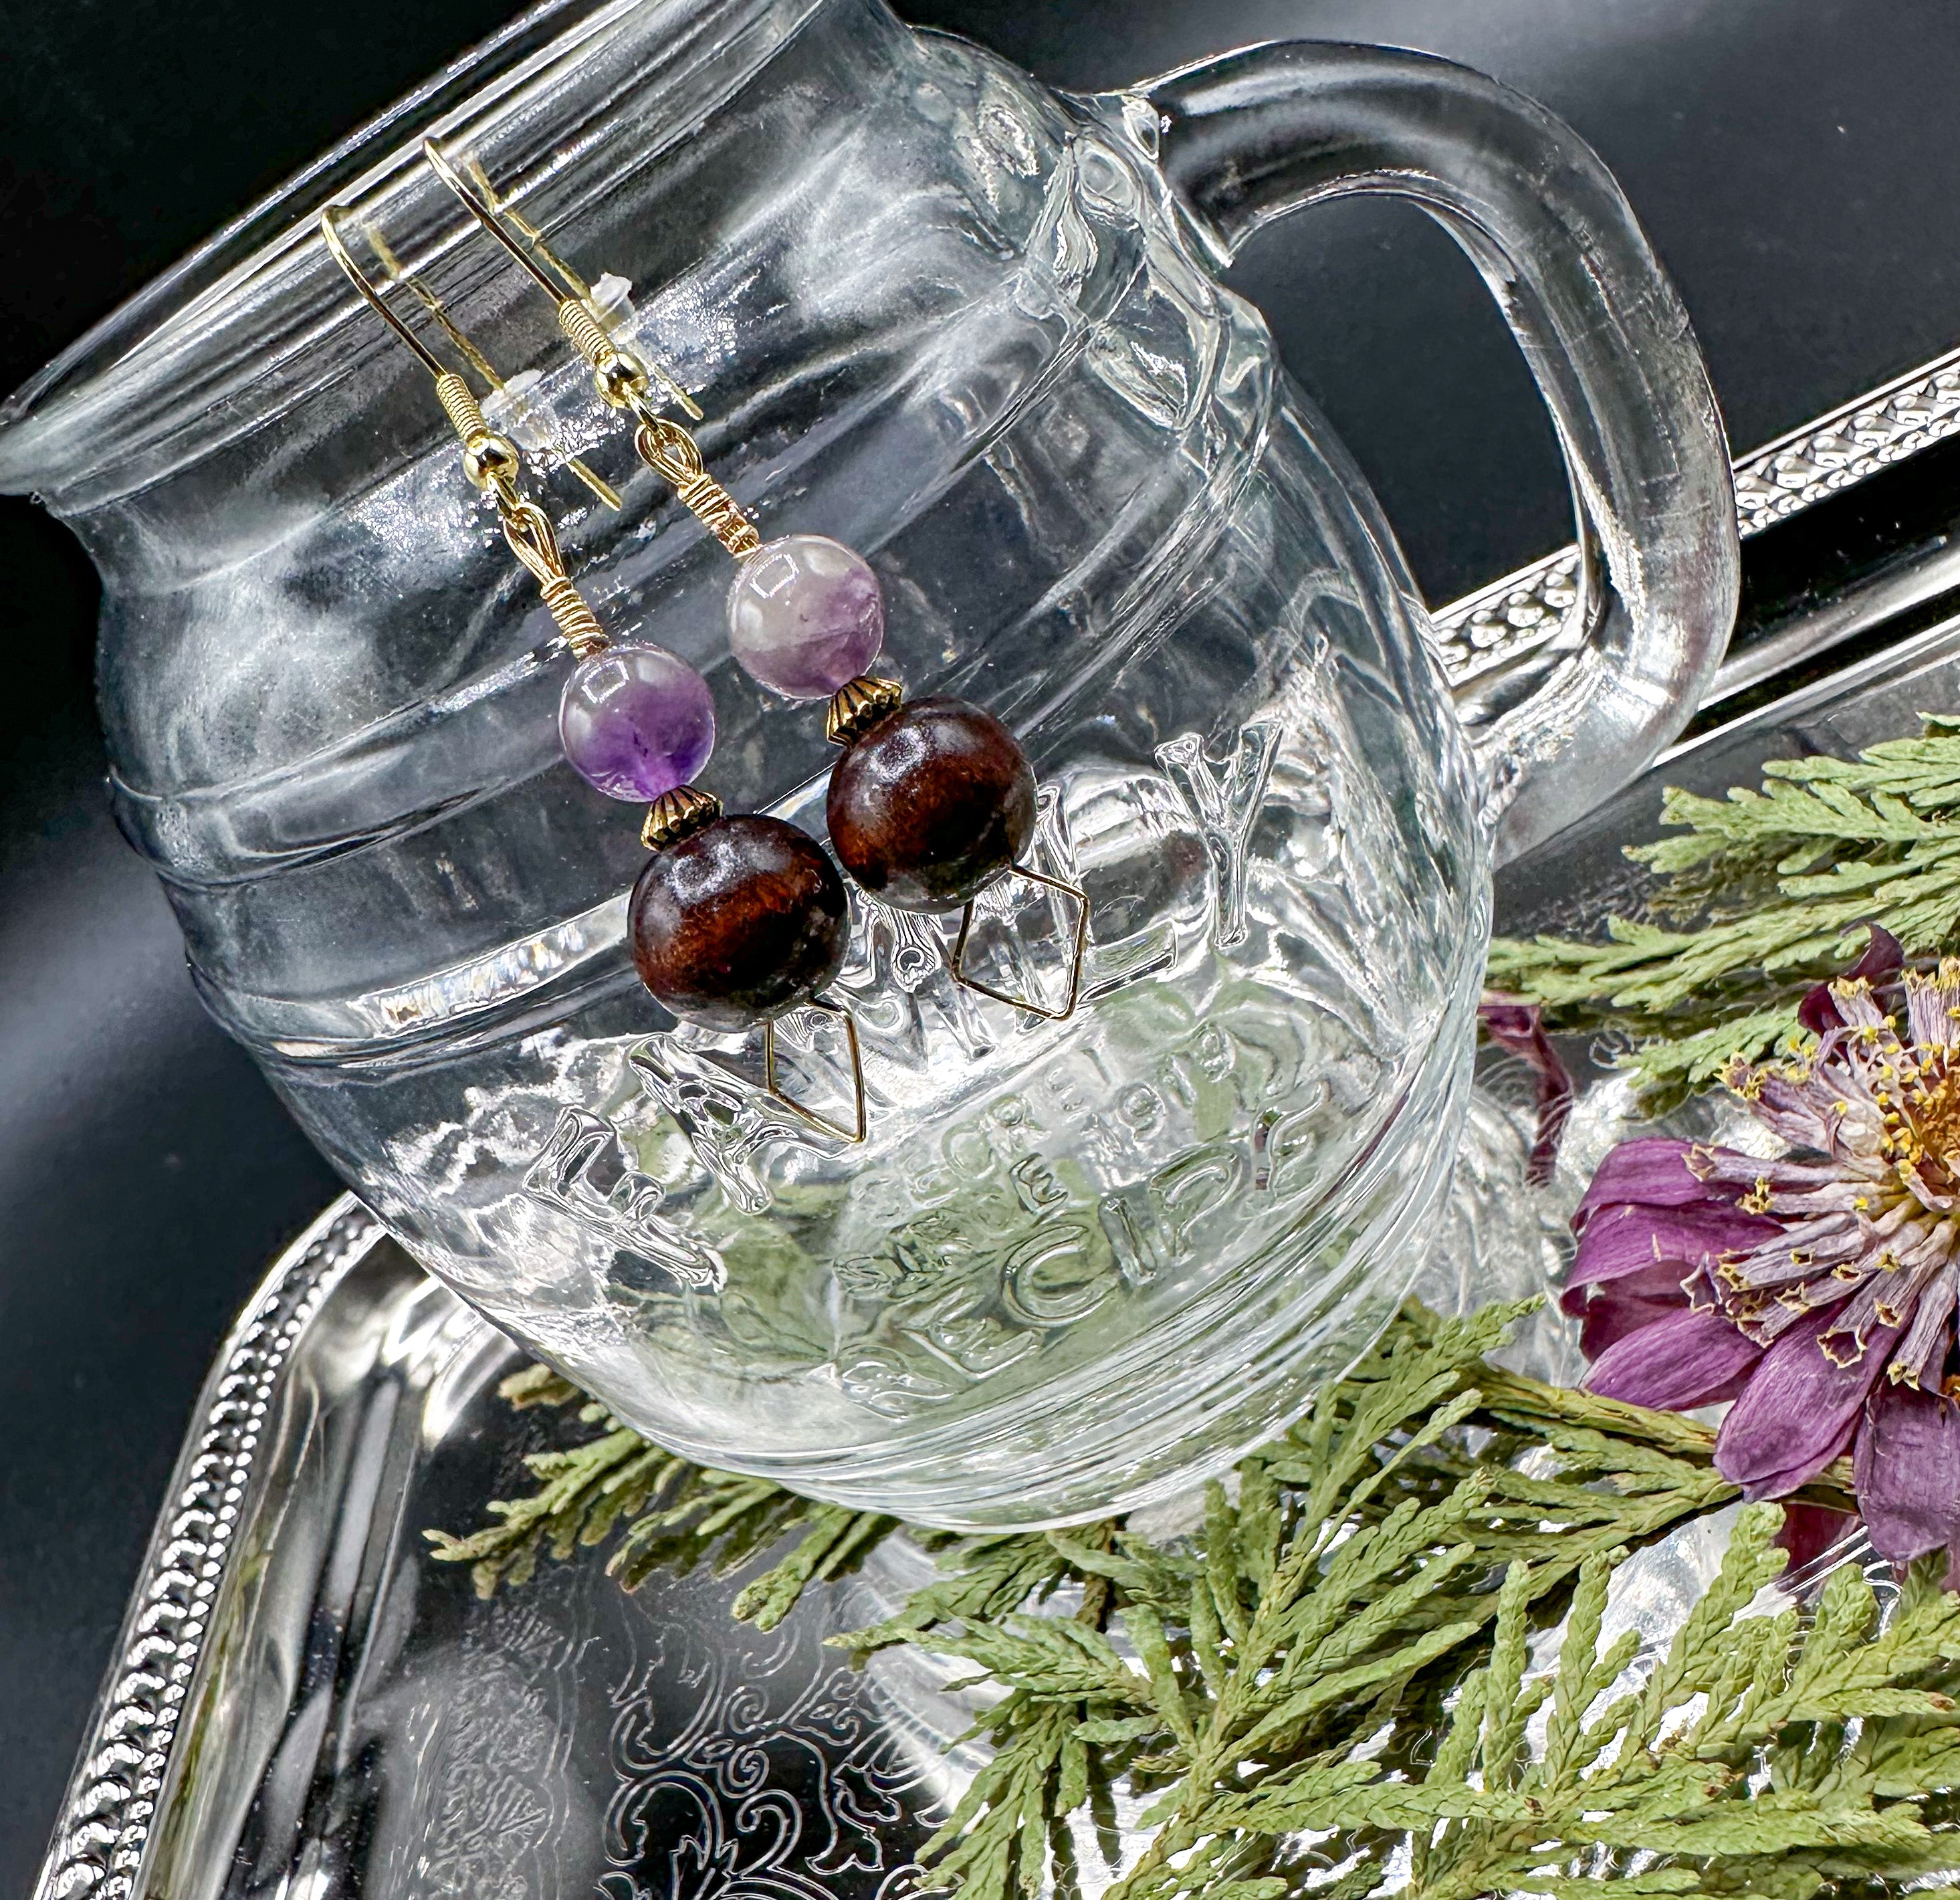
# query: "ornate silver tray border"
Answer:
x=1503 y=623
x=101 y=1840
x=120 y=1775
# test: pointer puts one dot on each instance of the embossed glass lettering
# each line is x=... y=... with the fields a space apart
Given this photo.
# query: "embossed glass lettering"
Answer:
x=1225 y=809
x=625 y=1215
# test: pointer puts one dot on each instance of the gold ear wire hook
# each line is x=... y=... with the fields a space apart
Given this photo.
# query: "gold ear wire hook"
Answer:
x=585 y=329
x=329 y=229
x=622 y=380
x=438 y=313
x=533 y=238
x=490 y=460
x=458 y=336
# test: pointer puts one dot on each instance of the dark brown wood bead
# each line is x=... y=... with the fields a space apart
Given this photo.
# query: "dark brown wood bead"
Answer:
x=934 y=801
x=738 y=922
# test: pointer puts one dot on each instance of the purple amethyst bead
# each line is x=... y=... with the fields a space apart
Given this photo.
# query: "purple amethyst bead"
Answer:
x=805 y=615
x=636 y=721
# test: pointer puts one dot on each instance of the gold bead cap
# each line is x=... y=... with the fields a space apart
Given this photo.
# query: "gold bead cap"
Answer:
x=858 y=705
x=678 y=814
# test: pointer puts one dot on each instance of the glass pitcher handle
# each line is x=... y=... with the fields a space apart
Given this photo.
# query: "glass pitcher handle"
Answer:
x=1247 y=137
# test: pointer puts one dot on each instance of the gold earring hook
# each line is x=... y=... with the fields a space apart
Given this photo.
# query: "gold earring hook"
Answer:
x=622 y=379
x=525 y=229
x=329 y=229
x=490 y=460
x=534 y=239
x=586 y=330
x=467 y=350
x=459 y=338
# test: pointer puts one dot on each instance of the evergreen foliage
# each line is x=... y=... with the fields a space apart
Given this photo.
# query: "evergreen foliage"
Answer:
x=1767 y=893
x=1334 y=1675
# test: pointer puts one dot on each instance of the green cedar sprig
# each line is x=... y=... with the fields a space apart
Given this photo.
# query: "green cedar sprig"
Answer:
x=1775 y=888
x=1331 y=1607
x=1757 y=1757
x=1372 y=1582
x=676 y=1515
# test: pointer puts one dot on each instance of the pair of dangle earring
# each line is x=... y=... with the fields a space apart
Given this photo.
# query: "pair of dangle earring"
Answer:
x=736 y=920
x=933 y=800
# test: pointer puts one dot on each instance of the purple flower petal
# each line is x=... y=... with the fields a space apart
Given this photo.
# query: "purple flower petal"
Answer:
x=1724 y=1168
x=1798 y=1410
x=1907 y=1471
x=1683 y=1298
x=1607 y=1312
x=1658 y=1280
x=1653 y=1170
x=1686 y=1360
x=1621 y=1310
x=1817 y=1013
x=1630 y=1238
x=1808 y=1531
x=1518 y=1028
x=1884 y=957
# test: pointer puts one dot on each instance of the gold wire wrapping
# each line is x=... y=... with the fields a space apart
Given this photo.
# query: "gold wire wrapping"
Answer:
x=672 y=453
x=576 y=621
x=663 y=445
x=528 y=529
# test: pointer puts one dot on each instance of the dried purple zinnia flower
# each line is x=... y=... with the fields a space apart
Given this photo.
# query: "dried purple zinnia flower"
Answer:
x=1818 y=1290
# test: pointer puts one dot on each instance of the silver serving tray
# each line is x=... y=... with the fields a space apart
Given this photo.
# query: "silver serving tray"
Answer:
x=307 y=1705
x=304 y=1705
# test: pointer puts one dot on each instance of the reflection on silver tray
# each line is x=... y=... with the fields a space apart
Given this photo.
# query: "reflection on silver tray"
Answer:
x=304 y=1705
x=310 y=1704
x=306 y=1697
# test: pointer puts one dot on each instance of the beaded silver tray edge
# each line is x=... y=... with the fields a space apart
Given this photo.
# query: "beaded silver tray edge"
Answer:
x=120 y=1775
x=1503 y=623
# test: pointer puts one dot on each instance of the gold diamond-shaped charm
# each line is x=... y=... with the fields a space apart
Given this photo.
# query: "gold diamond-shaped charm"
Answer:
x=858 y=705
x=678 y=814
x=853 y=1132
x=955 y=958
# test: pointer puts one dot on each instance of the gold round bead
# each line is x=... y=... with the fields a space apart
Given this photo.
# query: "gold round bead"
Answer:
x=489 y=458
x=617 y=375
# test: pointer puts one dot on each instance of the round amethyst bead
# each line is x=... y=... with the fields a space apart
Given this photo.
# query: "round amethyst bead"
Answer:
x=636 y=721
x=805 y=615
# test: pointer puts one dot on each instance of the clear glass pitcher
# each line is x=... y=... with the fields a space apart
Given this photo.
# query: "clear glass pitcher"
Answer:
x=972 y=329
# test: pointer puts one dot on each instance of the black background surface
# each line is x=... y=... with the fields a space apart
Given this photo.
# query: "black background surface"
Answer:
x=1790 y=157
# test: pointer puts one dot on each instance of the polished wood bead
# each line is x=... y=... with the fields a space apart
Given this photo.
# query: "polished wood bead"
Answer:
x=932 y=802
x=738 y=922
